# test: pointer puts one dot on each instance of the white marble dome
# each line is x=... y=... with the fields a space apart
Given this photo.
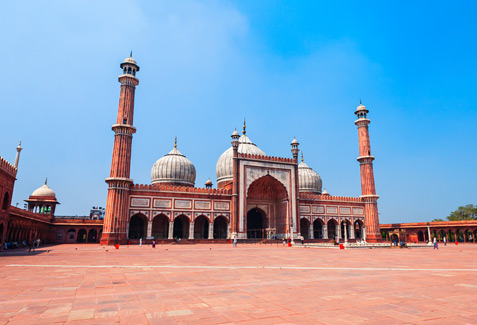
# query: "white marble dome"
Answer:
x=173 y=168
x=224 y=167
x=308 y=179
x=44 y=191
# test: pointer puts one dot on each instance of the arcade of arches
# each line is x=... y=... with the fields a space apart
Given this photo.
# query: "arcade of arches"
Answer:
x=181 y=227
x=347 y=229
x=420 y=232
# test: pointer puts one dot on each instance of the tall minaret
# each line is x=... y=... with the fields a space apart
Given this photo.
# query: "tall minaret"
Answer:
x=368 y=190
x=116 y=217
x=17 y=157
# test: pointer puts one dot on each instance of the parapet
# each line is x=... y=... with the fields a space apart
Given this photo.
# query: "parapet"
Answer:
x=319 y=197
x=183 y=189
x=7 y=167
x=267 y=158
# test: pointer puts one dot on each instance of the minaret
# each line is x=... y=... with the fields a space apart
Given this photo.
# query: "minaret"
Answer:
x=116 y=217
x=368 y=191
x=295 y=150
x=17 y=157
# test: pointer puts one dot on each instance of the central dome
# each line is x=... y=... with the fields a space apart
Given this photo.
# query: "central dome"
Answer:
x=224 y=168
x=173 y=168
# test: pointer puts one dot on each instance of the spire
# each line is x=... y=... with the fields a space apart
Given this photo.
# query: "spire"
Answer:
x=360 y=102
x=17 y=157
x=46 y=181
x=175 y=142
x=244 y=127
x=302 y=156
x=130 y=54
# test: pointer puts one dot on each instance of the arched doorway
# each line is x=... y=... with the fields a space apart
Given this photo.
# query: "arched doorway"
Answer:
x=332 y=227
x=137 y=227
x=344 y=229
x=459 y=235
x=201 y=227
x=93 y=236
x=160 y=227
x=255 y=223
x=420 y=236
x=6 y=201
x=318 y=229
x=81 y=238
x=70 y=236
x=270 y=219
x=305 y=228
x=1 y=237
x=358 y=229
x=451 y=236
x=181 y=227
x=220 y=227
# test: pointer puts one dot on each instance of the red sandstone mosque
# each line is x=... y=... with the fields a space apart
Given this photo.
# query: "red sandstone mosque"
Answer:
x=258 y=197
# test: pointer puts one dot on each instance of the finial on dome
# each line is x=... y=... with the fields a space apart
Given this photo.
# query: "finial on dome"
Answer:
x=244 y=127
x=175 y=142
x=302 y=156
x=360 y=102
x=20 y=144
x=130 y=54
x=46 y=181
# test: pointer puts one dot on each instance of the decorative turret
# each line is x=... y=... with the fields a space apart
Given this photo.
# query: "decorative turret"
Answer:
x=43 y=200
x=294 y=149
x=208 y=183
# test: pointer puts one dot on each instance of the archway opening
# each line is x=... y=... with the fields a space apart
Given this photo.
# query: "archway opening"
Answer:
x=358 y=229
x=137 y=227
x=81 y=238
x=160 y=227
x=318 y=229
x=344 y=229
x=6 y=201
x=181 y=227
x=420 y=236
x=271 y=221
x=93 y=236
x=332 y=228
x=220 y=227
x=305 y=228
x=70 y=235
x=201 y=228
x=255 y=223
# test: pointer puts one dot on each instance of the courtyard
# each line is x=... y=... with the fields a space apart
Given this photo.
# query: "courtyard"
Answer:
x=250 y=284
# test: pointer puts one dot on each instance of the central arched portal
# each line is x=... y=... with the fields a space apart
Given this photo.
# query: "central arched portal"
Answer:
x=267 y=209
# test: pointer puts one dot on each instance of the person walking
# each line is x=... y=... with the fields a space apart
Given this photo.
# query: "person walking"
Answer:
x=140 y=242
x=235 y=242
x=153 y=244
x=445 y=240
x=435 y=243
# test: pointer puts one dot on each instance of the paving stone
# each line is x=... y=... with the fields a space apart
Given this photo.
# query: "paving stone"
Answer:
x=251 y=284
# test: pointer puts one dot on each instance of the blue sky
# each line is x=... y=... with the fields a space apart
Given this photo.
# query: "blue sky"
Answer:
x=291 y=68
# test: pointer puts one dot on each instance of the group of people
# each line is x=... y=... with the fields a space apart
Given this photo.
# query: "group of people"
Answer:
x=31 y=245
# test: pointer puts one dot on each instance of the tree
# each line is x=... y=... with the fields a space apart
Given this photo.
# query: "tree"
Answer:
x=468 y=212
x=438 y=219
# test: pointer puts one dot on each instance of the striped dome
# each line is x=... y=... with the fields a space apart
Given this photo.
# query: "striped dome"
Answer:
x=224 y=168
x=173 y=168
x=308 y=179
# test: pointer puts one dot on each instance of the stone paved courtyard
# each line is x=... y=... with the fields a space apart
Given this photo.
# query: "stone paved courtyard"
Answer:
x=251 y=284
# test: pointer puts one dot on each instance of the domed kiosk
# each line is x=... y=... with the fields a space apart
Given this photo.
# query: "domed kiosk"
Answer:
x=42 y=200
